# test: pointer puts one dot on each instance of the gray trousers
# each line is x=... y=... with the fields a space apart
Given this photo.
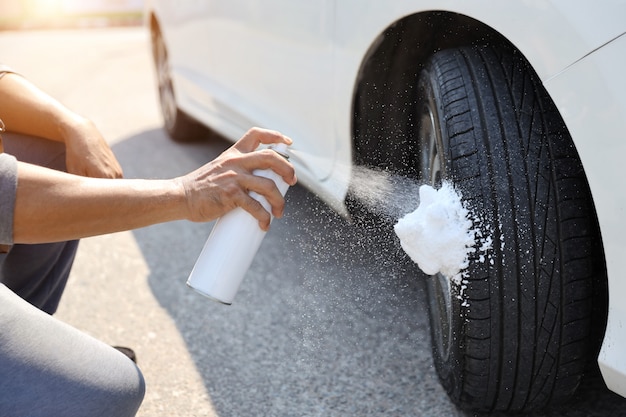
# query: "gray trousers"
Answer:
x=48 y=368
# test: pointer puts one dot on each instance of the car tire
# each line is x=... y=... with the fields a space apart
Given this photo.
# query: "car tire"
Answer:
x=517 y=333
x=178 y=125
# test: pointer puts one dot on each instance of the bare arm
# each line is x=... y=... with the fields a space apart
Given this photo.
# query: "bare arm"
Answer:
x=53 y=206
x=28 y=110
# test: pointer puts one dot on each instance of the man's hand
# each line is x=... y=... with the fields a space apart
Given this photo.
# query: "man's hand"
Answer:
x=30 y=111
x=224 y=183
x=87 y=153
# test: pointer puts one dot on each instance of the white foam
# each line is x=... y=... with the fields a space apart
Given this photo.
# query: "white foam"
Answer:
x=439 y=235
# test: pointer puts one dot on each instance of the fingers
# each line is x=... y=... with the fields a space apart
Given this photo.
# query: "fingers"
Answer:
x=261 y=196
x=95 y=168
x=257 y=195
x=257 y=136
x=265 y=189
x=88 y=153
x=250 y=158
x=255 y=208
x=267 y=193
x=229 y=181
x=268 y=159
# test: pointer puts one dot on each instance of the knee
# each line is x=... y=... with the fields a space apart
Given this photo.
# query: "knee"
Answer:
x=116 y=389
x=124 y=397
x=111 y=391
x=133 y=397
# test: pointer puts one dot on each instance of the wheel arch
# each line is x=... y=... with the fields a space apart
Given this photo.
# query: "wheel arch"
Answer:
x=389 y=67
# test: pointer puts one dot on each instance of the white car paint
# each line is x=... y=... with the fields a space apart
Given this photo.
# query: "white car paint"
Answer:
x=594 y=112
x=296 y=64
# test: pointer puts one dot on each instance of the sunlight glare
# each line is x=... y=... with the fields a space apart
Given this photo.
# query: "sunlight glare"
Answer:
x=45 y=8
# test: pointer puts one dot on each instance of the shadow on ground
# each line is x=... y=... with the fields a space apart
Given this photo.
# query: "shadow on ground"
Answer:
x=330 y=319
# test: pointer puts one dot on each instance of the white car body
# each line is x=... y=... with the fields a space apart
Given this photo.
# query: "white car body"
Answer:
x=293 y=66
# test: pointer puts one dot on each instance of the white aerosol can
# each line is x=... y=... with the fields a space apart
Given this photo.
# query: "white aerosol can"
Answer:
x=232 y=245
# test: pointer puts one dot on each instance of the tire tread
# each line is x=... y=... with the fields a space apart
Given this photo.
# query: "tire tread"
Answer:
x=530 y=315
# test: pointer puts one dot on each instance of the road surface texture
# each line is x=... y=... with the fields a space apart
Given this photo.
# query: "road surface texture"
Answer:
x=328 y=321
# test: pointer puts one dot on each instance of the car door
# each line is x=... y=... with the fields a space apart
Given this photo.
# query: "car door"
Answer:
x=271 y=63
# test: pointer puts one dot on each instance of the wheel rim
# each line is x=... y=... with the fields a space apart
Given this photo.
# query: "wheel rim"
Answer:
x=164 y=79
x=433 y=171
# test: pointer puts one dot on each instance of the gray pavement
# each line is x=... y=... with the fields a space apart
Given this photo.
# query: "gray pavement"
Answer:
x=329 y=320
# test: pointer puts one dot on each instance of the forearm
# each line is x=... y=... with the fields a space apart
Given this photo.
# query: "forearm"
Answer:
x=28 y=110
x=54 y=206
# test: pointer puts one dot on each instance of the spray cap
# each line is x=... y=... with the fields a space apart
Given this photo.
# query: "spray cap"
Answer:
x=281 y=149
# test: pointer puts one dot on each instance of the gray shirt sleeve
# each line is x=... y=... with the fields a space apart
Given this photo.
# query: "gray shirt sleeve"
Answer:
x=8 y=188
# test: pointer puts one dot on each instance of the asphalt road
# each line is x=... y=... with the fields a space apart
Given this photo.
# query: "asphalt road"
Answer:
x=328 y=322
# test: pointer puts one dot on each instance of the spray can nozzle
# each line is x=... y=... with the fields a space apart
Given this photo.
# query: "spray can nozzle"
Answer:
x=281 y=149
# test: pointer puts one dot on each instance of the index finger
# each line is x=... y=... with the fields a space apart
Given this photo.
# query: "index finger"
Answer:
x=257 y=136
